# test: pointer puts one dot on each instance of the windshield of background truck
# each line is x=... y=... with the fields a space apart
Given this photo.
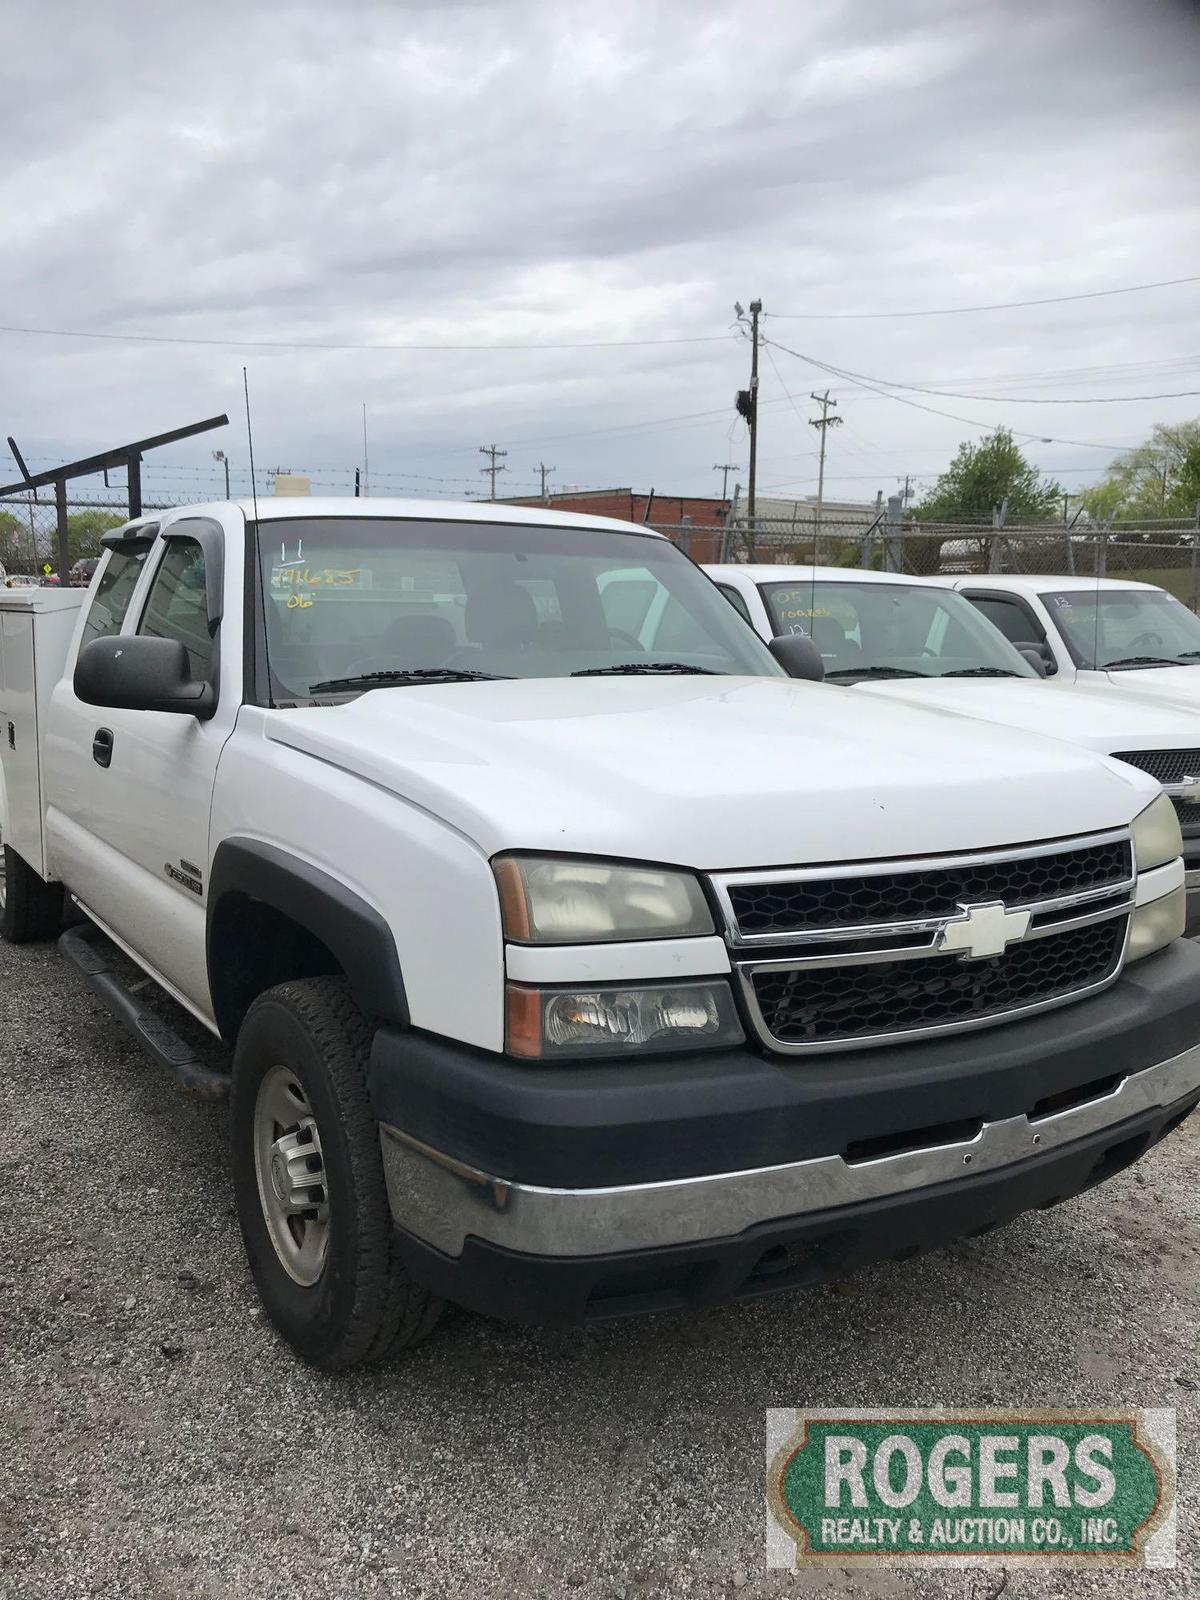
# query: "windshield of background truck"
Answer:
x=1112 y=627
x=349 y=596
x=859 y=627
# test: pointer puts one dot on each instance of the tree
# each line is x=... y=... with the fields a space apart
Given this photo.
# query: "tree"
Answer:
x=84 y=532
x=983 y=476
x=1161 y=478
x=14 y=542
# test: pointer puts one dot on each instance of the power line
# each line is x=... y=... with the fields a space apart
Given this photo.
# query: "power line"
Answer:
x=936 y=411
x=958 y=311
x=292 y=344
x=1029 y=399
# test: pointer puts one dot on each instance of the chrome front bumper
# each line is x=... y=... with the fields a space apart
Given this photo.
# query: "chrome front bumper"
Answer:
x=443 y=1202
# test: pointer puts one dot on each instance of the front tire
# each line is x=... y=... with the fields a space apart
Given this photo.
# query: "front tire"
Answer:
x=308 y=1180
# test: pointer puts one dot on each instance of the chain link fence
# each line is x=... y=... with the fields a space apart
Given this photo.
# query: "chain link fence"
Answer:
x=29 y=528
x=1166 y=553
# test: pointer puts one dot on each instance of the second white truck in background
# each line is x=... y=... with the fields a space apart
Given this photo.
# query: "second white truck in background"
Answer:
x=916 y=640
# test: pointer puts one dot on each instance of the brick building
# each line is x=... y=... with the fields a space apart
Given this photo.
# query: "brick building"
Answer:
x=693 y=521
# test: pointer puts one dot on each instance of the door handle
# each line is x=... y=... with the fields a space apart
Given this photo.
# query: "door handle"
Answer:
x=102 y=746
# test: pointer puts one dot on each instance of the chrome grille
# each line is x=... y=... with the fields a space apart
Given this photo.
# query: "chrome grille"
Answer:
x=866 y=897
x=815 y=1005
x=1168 y=766
x=831 y=958
x=1179 y=773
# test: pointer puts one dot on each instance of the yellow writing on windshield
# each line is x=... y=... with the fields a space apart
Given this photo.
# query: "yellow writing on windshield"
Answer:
x=298 y=577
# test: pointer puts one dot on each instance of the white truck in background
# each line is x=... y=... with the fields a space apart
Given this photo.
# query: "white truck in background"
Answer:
x=1134 y=636
x=573 y=966
x=914 y=639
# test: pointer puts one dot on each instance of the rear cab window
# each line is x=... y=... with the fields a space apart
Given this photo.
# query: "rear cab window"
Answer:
x=109 y=603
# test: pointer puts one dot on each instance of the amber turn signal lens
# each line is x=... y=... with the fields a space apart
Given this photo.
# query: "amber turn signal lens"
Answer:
x=523 y=1024
x=514 y=909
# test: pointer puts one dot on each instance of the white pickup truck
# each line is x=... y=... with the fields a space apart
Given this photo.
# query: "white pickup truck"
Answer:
x=1134 y=636
x=914 y=639
x=572 y=965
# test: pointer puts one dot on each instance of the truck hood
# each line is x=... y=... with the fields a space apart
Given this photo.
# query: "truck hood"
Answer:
x=1089 y=714
x=711 y=772
x=1180 y=684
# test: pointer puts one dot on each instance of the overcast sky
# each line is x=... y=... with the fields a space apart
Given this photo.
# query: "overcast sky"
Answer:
x=536 y=172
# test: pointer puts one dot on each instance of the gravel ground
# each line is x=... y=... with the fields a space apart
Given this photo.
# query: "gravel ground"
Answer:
x=156 y=1439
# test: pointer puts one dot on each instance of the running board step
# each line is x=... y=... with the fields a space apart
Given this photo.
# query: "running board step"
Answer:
x=157 y=1037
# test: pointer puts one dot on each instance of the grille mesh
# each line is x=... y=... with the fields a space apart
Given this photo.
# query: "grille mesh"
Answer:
x=1168 y=766
x=849 y=902
x=825 y=1005
x=1188 y=812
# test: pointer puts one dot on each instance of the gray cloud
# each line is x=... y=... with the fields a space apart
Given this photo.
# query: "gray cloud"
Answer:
x=486 y=172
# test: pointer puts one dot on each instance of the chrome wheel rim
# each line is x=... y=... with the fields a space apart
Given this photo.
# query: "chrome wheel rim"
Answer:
x=290 y=1170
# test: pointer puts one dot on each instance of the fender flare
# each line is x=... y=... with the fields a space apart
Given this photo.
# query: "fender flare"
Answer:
x=352 y=930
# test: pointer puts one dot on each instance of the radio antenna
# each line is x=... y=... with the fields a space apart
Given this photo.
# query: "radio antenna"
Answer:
x=250 y=442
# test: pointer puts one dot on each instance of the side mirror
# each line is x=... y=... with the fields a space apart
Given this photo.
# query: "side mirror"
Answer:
x=1039 y=654
x=142 y=674
x=1034 y=657
x=798 y=656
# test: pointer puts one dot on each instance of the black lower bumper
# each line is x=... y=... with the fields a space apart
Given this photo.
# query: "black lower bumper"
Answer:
x=786 y=1253
x=585 y=1125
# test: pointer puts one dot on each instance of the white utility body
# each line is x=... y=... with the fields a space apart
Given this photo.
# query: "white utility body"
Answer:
x=894 y=636
x=574 y=960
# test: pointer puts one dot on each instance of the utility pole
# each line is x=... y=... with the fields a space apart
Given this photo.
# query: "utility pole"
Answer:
x=907 y=495
x=755 y=311
x=747 y=402
x=824 y=422
x=725 y=468
x=545 y=472
x=492 y=469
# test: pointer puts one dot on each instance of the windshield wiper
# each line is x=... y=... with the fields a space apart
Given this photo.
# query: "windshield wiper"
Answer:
x=1188 y=655
x=980 y=672
x=1140 y=661
x=644 y=666
x=400 y=676
x=876 y=672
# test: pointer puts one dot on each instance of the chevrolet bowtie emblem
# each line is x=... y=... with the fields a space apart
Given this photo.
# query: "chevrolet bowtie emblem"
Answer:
x=985 y=930
x=1189 y=789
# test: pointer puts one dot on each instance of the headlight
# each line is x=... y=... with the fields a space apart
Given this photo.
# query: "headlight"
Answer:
x=561 y=901
x=1157 y=924
x=1156 y=835
x=607 y=1020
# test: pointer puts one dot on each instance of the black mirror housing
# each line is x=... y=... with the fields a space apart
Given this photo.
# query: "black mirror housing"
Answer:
x=1031 y=648
x=142 y=674
x=798 y=656
x=1034 y=657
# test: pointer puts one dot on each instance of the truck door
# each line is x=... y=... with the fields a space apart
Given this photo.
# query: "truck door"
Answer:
x=132 y=790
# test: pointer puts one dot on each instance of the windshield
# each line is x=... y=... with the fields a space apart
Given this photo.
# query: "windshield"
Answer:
x=892 y=629
x=348 y=597
x=1126 y=628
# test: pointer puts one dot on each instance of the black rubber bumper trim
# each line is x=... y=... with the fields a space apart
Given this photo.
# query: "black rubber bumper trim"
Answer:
x=780 y=1255
x=584 y=1125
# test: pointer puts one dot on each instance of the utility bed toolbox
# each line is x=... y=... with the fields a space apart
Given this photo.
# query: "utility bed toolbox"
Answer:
x=35 y=633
